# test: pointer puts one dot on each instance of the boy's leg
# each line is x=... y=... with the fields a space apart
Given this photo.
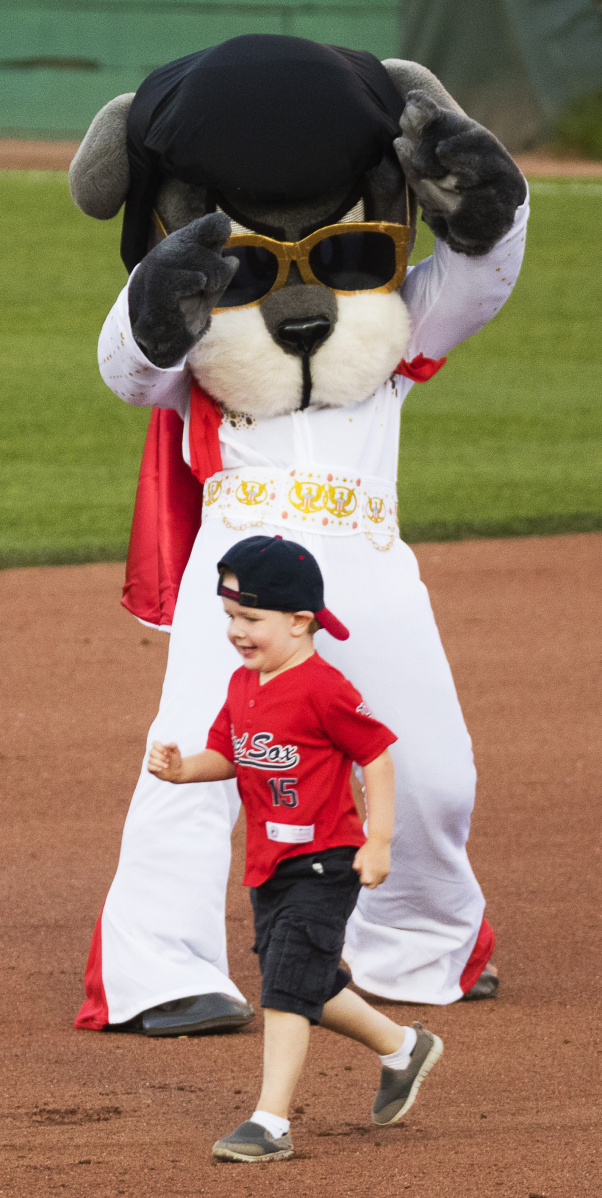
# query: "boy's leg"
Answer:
x=286 y=1039
x=407 y=1055
x=264 y=1136
x=351 y=1016
x=300 y=915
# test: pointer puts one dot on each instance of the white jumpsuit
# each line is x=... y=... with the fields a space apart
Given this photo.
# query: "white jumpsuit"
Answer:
x=163 y=928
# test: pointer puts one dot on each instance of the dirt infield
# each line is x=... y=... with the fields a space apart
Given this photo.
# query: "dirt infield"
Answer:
x=20 y=154
x=510 y=1110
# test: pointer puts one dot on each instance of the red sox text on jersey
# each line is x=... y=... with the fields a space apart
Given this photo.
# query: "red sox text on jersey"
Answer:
x=260 y=754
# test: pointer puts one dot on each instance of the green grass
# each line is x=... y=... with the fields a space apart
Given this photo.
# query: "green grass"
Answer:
x=69 y=449
x=506 y=440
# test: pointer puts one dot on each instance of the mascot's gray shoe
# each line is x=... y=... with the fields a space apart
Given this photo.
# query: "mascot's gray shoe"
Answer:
x=399 y=1087
x=251 y=1142
x=485 y=987
x=200 y=1013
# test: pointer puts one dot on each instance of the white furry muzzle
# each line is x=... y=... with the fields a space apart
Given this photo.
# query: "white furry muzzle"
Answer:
x=238 y=362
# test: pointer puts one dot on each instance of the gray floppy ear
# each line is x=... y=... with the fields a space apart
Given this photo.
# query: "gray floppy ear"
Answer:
x=408 y=76
x=99 y=175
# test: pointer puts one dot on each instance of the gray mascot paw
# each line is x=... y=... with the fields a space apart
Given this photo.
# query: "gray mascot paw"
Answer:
x=466 y=182
x=176 y=286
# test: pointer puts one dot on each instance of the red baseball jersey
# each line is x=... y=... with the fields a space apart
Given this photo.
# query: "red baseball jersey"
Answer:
x=293 y=741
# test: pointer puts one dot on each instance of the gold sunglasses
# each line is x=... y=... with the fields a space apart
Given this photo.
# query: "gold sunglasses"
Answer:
x=346 y=258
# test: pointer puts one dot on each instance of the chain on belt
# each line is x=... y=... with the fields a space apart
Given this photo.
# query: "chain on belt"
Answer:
x=330 y=502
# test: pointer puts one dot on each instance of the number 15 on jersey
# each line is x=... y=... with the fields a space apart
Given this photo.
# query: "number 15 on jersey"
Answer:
x=283 y=792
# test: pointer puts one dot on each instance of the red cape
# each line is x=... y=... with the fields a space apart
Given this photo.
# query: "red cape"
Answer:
x=169 y=499
x=167 y=511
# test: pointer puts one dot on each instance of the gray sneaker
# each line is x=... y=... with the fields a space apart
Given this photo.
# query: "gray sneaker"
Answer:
x=399 y=1087
x=251 y=1142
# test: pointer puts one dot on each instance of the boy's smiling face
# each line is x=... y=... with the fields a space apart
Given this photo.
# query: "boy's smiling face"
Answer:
x=266 y=640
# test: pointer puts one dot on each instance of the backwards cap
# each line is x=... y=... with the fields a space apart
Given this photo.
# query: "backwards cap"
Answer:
x=278 y=575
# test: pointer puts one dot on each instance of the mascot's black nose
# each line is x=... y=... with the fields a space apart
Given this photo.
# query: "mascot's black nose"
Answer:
x=305 y=334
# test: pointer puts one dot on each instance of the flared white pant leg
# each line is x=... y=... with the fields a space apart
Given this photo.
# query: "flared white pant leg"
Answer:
x=411 y=938
x=163 y=924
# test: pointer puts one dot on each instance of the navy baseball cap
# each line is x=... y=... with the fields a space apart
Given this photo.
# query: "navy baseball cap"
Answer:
x=278 y=575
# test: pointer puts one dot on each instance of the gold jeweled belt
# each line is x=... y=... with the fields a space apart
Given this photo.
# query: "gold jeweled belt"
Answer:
x=329 y=502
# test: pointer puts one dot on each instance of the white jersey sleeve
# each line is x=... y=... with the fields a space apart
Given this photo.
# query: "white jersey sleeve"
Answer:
x=127 y=371
x=451 y=296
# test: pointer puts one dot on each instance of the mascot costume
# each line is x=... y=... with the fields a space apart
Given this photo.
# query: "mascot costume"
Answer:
x=271 y=188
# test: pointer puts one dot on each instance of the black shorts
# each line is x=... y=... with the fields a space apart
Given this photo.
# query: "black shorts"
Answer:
x=300 y=916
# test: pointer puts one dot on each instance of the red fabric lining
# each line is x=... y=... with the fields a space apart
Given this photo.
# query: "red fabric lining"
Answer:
x=420 y=369
x=167 y=512
x=205 y=420
x=480 y=955
x=94 y=1013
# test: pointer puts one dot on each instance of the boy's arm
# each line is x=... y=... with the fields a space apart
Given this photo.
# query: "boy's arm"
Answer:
x=373 y=860
x=166 y=762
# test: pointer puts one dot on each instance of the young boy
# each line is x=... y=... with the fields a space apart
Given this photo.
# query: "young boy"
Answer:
x=289 y=731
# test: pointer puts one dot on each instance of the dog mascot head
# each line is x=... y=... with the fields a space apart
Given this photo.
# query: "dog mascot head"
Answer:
x=304 y=164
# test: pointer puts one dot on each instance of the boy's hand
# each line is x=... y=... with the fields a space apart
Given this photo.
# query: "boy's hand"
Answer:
x=165 y=761
x=373 y=862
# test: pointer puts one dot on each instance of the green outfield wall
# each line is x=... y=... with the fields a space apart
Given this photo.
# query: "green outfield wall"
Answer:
x=61 y=60
x=513 y=64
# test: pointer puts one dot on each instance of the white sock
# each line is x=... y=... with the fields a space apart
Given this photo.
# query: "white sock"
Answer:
x=401 y=1058
x=276 y=1126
